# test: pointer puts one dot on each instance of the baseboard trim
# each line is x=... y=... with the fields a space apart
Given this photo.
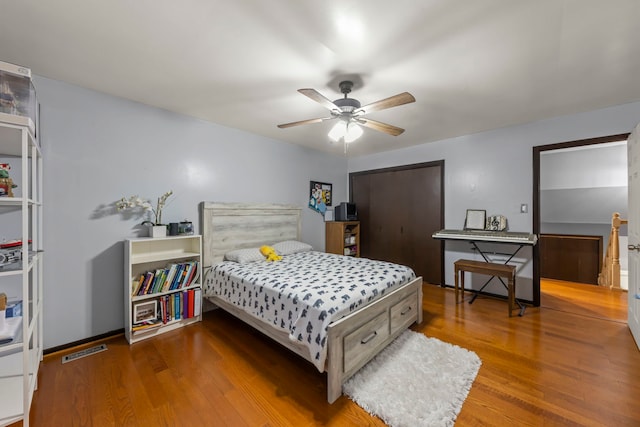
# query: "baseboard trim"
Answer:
x=62 y=347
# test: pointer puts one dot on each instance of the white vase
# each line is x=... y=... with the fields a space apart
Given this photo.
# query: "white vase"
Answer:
x=157 y=231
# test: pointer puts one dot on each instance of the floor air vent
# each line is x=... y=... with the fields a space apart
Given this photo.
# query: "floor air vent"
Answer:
x=82 y=353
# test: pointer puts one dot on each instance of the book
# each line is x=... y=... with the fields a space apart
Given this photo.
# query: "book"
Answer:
x=188 y=275
x=176 y=306
x=170 y=276
x=135 y=287
x=141 y=284
x=163 y=279
x=153 y=281
x=154 y=284
x=174 y=283
x=147 y=282
x=196 y=273
x=197 y=303
x=163 y=305
x=185 y=275
x=191 y=296
x=183 y=278
x=143 y=327
x=185 y=305
x=157 y=285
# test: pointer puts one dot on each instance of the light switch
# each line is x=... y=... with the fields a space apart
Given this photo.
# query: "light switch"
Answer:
x=524 y=208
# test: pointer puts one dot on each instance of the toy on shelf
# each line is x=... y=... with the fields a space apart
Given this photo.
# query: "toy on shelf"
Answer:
x=6 y=183
x=6 y=244
x=11 y=252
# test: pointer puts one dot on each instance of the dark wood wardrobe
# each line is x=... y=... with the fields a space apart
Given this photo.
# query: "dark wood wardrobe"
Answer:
x=399 y=209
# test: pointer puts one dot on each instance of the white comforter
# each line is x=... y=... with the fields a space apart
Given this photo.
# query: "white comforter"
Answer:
x=304 y=292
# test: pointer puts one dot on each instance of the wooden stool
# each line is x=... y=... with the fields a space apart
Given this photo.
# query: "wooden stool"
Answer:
x=491 y=269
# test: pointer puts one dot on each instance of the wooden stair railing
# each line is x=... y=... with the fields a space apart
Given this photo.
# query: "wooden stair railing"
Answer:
x=610 y=274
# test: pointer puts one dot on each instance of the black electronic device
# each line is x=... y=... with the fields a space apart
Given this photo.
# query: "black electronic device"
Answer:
x=346 y=211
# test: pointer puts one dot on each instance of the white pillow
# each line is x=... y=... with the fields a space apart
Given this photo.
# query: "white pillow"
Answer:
x=289 y=247
x=244 y=256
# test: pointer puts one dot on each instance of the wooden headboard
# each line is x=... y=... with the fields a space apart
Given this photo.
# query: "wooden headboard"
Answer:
x=228 y=226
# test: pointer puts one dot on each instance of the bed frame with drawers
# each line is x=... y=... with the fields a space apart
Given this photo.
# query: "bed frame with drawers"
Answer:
x=353 y=340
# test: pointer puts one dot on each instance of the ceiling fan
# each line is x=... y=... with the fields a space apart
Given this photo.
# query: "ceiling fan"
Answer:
x=350 y=113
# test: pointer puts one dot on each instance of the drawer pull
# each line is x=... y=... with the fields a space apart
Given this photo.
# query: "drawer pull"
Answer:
x=369 y=337
x=405 y=311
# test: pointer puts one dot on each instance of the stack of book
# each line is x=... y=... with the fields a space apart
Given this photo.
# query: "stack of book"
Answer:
x=172 y=307
x=172 y=277
x=180 y=305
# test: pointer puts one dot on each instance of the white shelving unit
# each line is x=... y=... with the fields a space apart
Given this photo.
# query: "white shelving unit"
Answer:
x=149 y=254
x=21 y=218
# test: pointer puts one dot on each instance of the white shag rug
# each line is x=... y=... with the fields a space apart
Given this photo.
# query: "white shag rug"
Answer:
x=415 y=381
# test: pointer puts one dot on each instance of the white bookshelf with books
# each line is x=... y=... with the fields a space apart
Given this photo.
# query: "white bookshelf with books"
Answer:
x=21 y=275
x=162 y=285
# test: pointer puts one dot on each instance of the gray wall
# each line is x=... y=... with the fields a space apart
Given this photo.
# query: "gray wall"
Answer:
x=583 y=185
x=99 y=148
x=493 y=170
x=580 y=188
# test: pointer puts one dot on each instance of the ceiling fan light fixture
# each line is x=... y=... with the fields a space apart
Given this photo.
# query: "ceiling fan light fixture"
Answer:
x=350 y=113
x=338 y=131
x=353 y=132
x=348 y=131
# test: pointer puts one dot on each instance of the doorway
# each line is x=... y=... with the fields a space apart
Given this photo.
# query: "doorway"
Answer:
x=555 y=195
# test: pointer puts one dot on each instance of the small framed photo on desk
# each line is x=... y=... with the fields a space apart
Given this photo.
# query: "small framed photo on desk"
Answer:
x=475 y=220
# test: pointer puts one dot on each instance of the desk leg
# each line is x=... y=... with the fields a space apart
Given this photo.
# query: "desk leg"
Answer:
x=455 y=283
x=511 y=294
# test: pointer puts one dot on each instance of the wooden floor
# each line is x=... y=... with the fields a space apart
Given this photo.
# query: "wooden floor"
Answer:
x=570 y=362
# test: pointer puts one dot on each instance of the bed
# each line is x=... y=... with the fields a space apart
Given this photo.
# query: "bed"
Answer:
x=349 y=334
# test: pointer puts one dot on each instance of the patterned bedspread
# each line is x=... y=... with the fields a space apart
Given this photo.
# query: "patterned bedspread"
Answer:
x=304 y=292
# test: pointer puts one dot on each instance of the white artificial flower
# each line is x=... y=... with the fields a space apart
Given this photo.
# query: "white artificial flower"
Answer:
x=134 y=202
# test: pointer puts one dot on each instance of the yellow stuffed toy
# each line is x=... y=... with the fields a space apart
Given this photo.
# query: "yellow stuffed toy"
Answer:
x=270 y=253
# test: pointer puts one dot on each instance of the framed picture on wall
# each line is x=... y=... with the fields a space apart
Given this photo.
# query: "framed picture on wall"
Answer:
x=475 y=220
x=319 y=196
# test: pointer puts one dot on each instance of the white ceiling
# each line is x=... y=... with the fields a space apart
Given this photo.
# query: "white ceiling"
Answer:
x=471 y=65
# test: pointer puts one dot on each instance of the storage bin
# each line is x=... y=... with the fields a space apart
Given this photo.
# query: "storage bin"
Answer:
x=18 y=102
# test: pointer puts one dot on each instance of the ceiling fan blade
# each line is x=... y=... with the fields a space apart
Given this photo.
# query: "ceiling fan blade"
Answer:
x=304 y=122
x=393 y=101
x=319 y=98
x=380 y=127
